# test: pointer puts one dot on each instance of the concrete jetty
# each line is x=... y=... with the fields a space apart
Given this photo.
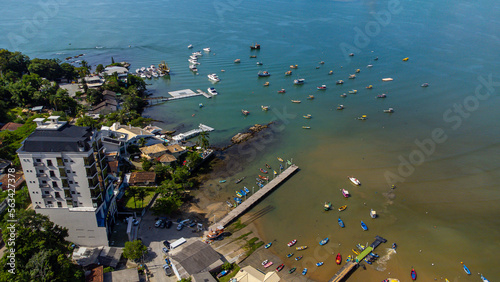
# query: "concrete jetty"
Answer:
x=192 y=133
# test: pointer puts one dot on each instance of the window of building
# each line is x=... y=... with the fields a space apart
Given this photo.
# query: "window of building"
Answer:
x=65 y=160
x=70 y=182
x=58 y=195
x=44 y=182
x=54 y=184
x=46 y=192
x=52 y=174
x=76 y=183
x=59 y=204
x=68 y=171
x=75 y=203
x=49 y=162
x=49 y=202
x=38 y=160
x=72 y=192
x=40 y=171
x=78 y=193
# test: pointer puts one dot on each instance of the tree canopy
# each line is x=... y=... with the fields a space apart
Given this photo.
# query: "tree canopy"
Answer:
x=134 y=250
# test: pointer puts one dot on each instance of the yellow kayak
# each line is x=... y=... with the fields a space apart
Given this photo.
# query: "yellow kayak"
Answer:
x=354 y=251
x=342 y=207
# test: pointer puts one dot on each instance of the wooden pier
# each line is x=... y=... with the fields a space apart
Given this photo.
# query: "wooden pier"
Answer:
x=250 y=201
x=346 y=269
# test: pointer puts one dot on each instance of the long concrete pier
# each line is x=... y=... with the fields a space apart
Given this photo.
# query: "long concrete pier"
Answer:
x=239 y=210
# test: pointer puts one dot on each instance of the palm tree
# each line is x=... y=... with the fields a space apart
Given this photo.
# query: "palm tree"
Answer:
x=132 y=192
x=142 y=142
x=141 y=194
x=203 y=139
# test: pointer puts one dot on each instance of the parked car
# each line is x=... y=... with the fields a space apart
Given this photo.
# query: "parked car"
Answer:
x=135 y=222
x=169 y=224
x=167 y=269
x=165 y=250
x=158 y=223
x=162 y=224
x=166 y=244
x=179 y=227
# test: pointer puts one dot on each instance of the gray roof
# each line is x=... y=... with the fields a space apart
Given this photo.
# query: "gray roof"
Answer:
x=196 y=257
x=67 y=138
x=203 y=277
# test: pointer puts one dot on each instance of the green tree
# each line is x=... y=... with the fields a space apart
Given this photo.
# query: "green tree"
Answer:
x=146 y=164
x=180 y=175
x=142 y=142
x=227 y=266
x=86 y=121
x=99 y=69
x=161 y=172
x=134 y=250
x=11 y=140
x=132 y=192
x=68 y=71
x=203 y=139
x=167 y=205
x=13 y=62
x=141 y=194
x=48 y=68
x=193 y=159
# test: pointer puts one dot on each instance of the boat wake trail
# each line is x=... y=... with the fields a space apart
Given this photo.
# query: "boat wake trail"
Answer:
x=382 y=262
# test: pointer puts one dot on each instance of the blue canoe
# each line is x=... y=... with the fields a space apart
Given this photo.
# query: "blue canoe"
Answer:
x=224 y=272
x=324 y=241
x=363 y=225
x=222 y=181
x=466 y=269
x=237 y=200
x=246 y=190
x=243 y=192
x=319 y=263
x=238 y=194
x=304 y=271
x=268 y=245
x=260 y=184
x=341 y=223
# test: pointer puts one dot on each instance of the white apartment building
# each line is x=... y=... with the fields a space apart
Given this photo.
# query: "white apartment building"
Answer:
x=67 y=177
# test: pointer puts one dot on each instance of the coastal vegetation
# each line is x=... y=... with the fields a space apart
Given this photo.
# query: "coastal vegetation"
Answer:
x=234 y=268
x=252 y=245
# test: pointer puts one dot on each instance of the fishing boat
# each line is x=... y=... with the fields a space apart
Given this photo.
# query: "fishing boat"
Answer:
x=222 y=273
x=322 y=87
x=289 y=255
x=294 y=66
x=264 y=108
x=282 y=90
x=193 y=68
x=266 y=83
x=425 y=84
x=212 y=91
x=279 y=268
x=394 y=246
x=301 y=248
x=207 y=49
x=263 y=177
x=299 y=81
x=483 y=279
x=341 y=208
x=200 y=105
x=268 y=166
x=259 y=63
x=354 y=180
x=353 y=91
x=263 y=74
x=369 y=87
x=239 y=180
x=306 y=127
x=343 y=95
x=291 y=243
x=351 y=54
x=229 y=204
x=363 y=117
x=352 y=76
x=355 y=252
x=304 y=272
x=382 y=96
x=298 y=258
x=413 y=274
x=268 y=264
x=310 y=97
x=373 y=214
x=387 y=79
x=324 y=241
x=340 y=107
x=338 y=259
x=190 y=46
x=292 y=270
x=268 y=245
x=238 y=200
x=265 y=262
x=281 y=166
x=242 y=192
x=263 y=170
x=245 y=112
x=259 y=180
x=322 y=62
x=213 y=77
x=328 y=206
x=280 y=159
x=360 y=247
x=255 y=47
x=389 y=111
x=345 y=193
x=348 y=259
x=319 y=263
x=246 y=190
x=466 y=269
x=363 y=225
x=253 y=56
x=404 y=60
x=260 y=184
x=358 y=70
x=296 y=101
x=222 y=181
x=288 y=72
x=212 y=234
x=341 y=223
x=237 y=61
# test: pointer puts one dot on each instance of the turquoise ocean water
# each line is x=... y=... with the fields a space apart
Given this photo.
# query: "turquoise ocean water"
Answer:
x=444 y=210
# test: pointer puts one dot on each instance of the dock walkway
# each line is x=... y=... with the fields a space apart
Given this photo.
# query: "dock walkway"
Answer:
x=192 y=133
x=239 y=210
x=208 y=96
x=343 y=271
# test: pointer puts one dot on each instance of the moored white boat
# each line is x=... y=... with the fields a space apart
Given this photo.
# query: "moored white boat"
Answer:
x=299 y=81
x=213 y=77
x=373 y=214
x=212 y=91
x=354 y=180
x=206 y=49
x=190 y=46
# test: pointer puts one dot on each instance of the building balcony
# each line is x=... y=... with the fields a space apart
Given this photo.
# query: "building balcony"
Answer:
x=41 y=175
x=47 y=196
x=44 y=185
x=38 y=164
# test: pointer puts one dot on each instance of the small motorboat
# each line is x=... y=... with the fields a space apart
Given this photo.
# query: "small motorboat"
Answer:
x=296 y=101
x=353 y=91
x=263 y=74
x=394 y=246
x=200 y=105
x=243 y=192
x=193 y=68
x=288 y=72
x=341 y=223
x=259 y=180
x=245 y=112
x=389 y=111
x=354 y=180
x=294 y=66
x=263 y=170
x=322 y=87
x=343 y=95
x=255 y=47
x=229 y=204
x=319 y=263
x=264 y=108
x=322 y=62
x=299 y=81
x=466 y=269
x=289 y=255
x=259 y=63
x=382 y=96
x=376 y=59
x=268 y=166
x=239 y=180
x=373 y=214
x=253 y=56
x=306 y=127
x=328 y=206
x=280 y=159
x=425 y=85
x=207 y=49
x=483 y=279
x=222 y=181
x=238 y=200
x=282 y=91
x=363 y=225
x=280 y=267
x=348 y=259
x=310 y=97
x=190 y=46
x=304 y=272
x=340 y=107
x=268 y=245
x=266 y=83
x=352 y=76
x=263 y=177
x=358 y=70
x=363 y=117
x=324 y=241
x=301 y=248
x=260 y=184
x=246 y=190
x=369 y=87
x=265 y=262
x=360 y=247
x=222 y=273
x=404 y=60
x=338 y=259
x=213 y=77
x=355 y=252
x=387 y=79
x=345 y=193
x=281 y=166
x=298 y=258
x=413 y=274
x=351 y=54
x=341 y=208
x=212 y=91
x=330 y=72
x=292 y=270
x=237 y=61
x=268 y=264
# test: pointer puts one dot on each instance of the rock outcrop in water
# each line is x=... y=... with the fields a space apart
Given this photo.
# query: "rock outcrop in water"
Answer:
x=241 y=137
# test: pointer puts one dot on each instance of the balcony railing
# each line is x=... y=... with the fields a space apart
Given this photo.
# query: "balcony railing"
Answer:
x=44 y=186
x=38 y=164
x=41 y=175
x=46 y=196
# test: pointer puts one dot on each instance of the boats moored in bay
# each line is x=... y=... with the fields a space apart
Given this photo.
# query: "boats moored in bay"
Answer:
x=255 y=47
x=363 y=225
x=245 y=112
x=322 y=87
x=291 y=243
x=373 y=214
x=324 y=241
x=213 y=77
x=299 y=81
x=338 y=259
x=345 y=193
x=263 y=74
x=354 y=180
x=212 y=91
x=341 y=223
